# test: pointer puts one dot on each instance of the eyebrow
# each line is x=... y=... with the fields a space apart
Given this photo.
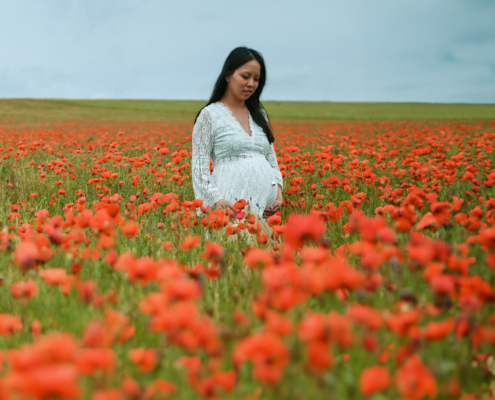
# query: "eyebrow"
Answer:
x=249 y=73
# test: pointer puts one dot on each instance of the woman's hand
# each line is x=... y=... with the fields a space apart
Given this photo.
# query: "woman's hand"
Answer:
x=276 y=204
x=221 y=204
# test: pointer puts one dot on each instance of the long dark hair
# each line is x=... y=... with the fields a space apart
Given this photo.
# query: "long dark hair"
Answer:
x=238 y=57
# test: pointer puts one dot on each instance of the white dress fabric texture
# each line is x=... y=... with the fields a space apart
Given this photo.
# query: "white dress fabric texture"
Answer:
x=244 y=166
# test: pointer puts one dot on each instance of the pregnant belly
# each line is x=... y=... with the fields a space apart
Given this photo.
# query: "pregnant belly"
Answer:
x=250 y=179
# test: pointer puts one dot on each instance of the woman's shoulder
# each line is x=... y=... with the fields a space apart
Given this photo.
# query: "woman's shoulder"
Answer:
x=211 y=115
x=212 y=106
x=211 y=110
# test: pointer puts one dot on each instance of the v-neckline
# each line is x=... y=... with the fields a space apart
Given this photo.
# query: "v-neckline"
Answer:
x=249 y=120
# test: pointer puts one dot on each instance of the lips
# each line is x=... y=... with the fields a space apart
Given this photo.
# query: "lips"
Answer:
x=247 y=92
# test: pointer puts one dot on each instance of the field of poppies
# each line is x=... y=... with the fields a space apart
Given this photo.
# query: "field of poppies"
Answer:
x=376 y=282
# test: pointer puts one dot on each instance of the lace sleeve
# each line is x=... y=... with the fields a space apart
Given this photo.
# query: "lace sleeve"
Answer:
x=271 y=157
x=202 y=146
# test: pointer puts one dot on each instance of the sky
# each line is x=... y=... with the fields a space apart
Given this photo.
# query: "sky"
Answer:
x=315 y=50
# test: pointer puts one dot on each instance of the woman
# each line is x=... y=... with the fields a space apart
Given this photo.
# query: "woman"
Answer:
x=233 y=129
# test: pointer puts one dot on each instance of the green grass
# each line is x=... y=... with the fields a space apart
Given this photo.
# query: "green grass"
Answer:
x=238 y=286
x=42 y=111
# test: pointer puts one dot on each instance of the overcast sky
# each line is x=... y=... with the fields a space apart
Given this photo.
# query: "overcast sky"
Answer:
x=337 y=50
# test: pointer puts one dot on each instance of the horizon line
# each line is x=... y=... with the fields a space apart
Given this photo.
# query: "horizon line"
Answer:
x=265 y=100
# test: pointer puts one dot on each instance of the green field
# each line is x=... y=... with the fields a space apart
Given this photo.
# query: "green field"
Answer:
x=103 y=257
x=32 y=111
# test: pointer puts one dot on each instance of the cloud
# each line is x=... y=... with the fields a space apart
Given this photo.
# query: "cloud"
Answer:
x=317 y=50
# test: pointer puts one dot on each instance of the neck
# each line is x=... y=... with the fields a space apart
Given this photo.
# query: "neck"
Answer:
x=233 y=102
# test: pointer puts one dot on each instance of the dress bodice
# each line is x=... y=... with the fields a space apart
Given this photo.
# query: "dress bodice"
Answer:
x=230 y=138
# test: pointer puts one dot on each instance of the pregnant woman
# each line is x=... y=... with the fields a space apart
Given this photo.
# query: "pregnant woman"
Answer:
x=233 y=129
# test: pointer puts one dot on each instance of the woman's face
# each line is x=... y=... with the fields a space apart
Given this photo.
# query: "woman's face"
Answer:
x=244 y=81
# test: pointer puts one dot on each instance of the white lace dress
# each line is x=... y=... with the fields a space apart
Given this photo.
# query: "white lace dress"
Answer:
x=244 y=166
